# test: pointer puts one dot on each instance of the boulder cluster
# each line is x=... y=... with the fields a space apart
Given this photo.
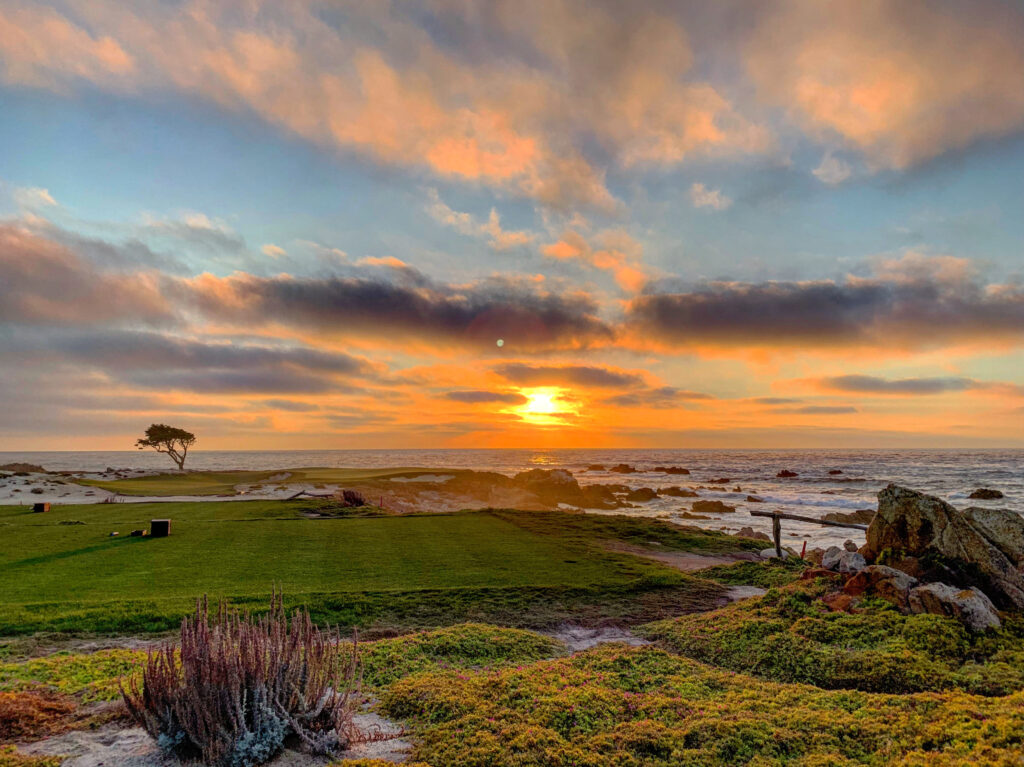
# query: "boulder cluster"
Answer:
x=925 y=556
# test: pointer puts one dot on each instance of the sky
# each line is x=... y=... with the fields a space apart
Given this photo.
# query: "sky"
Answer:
x=512 y=223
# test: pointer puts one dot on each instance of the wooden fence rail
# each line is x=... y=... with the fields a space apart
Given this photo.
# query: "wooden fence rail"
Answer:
x=778 y=516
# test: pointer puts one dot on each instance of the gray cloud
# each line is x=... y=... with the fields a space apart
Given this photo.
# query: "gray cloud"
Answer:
x=663 y=397
x=567 y=375
x=907 y=386
x=478 y=314
x=476 y=396
x=902 y=311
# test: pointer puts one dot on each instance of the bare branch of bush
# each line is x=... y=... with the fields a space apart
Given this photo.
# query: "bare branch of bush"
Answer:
x=238 y=687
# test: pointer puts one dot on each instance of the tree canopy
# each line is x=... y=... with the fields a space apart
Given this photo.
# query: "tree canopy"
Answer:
x=168 y=439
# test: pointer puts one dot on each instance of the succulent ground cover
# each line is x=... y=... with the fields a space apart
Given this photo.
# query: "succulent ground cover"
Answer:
x=790 y=635
x=644 y=707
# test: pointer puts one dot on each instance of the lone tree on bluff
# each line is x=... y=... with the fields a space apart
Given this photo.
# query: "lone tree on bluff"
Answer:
x=168 y=439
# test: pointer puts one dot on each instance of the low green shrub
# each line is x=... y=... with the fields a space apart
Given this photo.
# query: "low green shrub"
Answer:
x=767 y=574
x=467 y=646
x=642 y=707
x=789 y=635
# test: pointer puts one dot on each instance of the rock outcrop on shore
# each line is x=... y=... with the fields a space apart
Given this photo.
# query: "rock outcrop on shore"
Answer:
x=975 y=547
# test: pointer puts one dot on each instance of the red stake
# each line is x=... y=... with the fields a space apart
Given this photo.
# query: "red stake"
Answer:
x=803 y=550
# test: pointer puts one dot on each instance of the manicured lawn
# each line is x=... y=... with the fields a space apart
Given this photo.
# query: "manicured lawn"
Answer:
x=420 y=569
x=224 y=482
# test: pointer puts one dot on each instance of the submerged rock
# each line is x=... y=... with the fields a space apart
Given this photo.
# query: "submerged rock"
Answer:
x=970 y=606
x=595 y=467
x=672 y=470
x=754 y=499
x=623 y=468
x=641 y=495
x=834 y=472
x=677 y=492
x=985 y=494
x=858 y=517
x=749 y=532
x=712 y=507
x=913 y=524
x=787 y=473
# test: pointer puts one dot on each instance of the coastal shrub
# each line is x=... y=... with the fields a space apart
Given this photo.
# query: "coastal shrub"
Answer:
x=98 y=676
x=643 y=707
x=32 y=714
x=238 y=687
x=11 y=757
x=790 y=635
x=88 y=676
x=467 y=646
x=766 y=574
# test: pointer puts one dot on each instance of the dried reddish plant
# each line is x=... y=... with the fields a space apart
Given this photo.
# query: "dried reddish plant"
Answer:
x=238 y=687
x=33 y=714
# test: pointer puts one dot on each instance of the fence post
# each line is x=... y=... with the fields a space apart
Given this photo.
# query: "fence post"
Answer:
x=777 y=534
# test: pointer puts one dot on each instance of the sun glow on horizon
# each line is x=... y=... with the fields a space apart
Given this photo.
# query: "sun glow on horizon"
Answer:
x=544 y=406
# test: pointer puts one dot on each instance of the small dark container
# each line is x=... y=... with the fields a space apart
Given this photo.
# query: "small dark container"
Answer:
x=137 y=533
x=159 y=528
x=39 y=508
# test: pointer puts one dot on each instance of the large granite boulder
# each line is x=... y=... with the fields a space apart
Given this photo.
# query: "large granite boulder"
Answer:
x=883 y=582
x=970 y=606
x=1004 y=528
x=912 y=524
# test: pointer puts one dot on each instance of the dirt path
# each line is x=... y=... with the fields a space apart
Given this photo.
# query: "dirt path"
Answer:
x=687 y=561
x=117 y=746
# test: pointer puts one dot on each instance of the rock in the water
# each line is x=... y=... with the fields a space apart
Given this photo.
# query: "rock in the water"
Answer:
x=719 y=481
x=754 y=499
x=595 y=467
x=970 y=606
x=884 y=582
x=858 y=517
x=711 y=507
x=842 y=561
x=749 y=532
x=785 y=473
x=641 y=495
x=623 y=468
x=985 y=494
x=914 y=524
x=677 y=492
x=672 y=470
x=31 y=468
x=833 y=472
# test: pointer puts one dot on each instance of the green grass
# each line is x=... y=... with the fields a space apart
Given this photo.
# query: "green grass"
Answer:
x=405 y=571
x=225 y=482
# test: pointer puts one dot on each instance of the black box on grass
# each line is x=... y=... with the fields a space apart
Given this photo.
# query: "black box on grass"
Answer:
x=159 y=528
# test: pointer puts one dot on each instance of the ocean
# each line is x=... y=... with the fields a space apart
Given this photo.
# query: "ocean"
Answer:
x=949 y=474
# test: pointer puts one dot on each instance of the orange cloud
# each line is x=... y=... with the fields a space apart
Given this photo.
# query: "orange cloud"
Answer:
x=613 y=251
x=900 y=81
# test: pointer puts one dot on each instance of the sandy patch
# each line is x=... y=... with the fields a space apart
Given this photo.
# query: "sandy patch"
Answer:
x=115 y=746
x=579 y=638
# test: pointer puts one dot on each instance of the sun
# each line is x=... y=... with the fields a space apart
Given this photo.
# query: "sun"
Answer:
x=545 y=406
